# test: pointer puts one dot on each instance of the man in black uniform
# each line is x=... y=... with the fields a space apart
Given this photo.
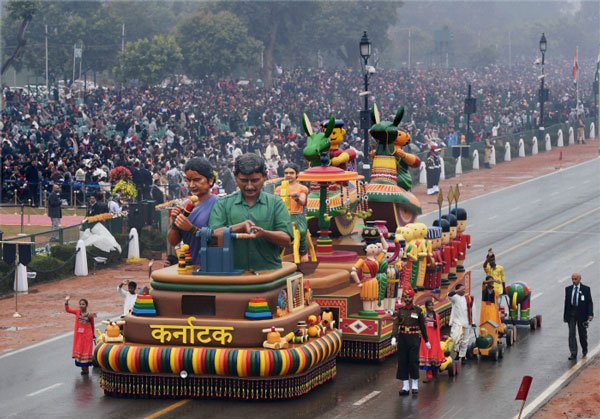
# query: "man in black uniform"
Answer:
x=409 y=322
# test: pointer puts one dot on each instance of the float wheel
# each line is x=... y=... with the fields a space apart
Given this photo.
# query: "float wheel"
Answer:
x=532 y=323
x=509 y=336
x=470 y=353
x=500 y=351
x=494 y=354
x=539 y=320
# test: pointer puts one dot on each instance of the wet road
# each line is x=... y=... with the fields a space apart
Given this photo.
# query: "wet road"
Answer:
x=541 y=232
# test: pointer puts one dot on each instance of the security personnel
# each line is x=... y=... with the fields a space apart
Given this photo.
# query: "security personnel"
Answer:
x=409 y=326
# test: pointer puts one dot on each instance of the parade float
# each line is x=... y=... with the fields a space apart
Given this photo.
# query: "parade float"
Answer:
x=367 y=333
x=214 y=331
x=414 y=254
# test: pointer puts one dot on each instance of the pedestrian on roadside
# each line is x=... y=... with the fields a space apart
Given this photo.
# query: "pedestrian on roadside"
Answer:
x=83 y=335
x=129 y=295
x=487 y=154
x=55 y=211
x=578 y=312
x=434 y=170
x=580 y=130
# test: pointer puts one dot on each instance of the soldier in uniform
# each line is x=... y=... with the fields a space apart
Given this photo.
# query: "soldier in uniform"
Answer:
x=409 y=327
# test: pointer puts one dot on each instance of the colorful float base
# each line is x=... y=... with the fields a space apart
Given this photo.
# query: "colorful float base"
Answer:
x=367 y=351
x=166 y=386
x=130 y=370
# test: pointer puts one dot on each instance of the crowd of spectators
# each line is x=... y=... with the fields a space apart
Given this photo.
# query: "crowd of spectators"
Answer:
x=75 y=139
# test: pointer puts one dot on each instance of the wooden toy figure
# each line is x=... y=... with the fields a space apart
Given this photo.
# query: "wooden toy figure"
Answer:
x=465 y=239
x=338 y=157
x=368 y=267
x=448 y=253
x=433 y=275
x=454 y=243
x=411 y=257
x=181 y=264
x=423 y=247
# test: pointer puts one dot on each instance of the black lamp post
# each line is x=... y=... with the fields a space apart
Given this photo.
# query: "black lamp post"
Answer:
x=470 y=108
x=365 y=53
x=543 y=95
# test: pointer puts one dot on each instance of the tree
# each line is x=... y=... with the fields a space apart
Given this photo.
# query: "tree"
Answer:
x=68 y=23
x=149 y=61
x=215 y=44
x=339 y=27
x=278 y=25
x=21 y=11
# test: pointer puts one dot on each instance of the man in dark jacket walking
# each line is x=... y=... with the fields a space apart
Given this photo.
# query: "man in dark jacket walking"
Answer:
x=54 y=210
x=579 y=310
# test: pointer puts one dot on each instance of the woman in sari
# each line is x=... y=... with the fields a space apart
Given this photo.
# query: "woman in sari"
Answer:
x=83 y=337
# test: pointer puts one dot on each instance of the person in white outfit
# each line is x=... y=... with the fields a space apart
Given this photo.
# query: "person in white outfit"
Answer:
x=461 y=320
x=130 y=296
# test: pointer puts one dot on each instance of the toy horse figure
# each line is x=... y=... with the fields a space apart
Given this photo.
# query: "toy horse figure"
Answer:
x=318 y=143
x=390 y=179
x=385 y=132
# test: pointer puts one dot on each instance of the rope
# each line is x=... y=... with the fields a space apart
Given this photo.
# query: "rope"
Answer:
x=8 y=275
x=66 y=262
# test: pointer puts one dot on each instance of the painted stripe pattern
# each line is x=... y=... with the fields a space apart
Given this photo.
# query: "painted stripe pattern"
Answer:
x=137 y=359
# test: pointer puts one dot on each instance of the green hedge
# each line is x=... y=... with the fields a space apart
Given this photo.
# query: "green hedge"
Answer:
x=154 y=240
x=62 y=251
x=47 y=268
x=6 y=281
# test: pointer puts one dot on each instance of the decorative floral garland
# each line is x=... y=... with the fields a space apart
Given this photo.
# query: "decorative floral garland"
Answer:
x=126 y=189
x=120 y=173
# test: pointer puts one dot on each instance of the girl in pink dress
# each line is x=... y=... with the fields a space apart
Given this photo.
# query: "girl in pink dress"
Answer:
x=431 y=359
x=83 y=337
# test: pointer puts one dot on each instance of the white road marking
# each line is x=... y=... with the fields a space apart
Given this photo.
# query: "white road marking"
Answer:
x=536 y=201
x=492 y=217
x=35 y=393
x=450 y=412
x=519 y=184
x=35 y=345
x=44 y=342
x=540 y=400
x=554 y=193
x=570 y=187
x=536 y=296
x=367 y=398
x=564 y=279
x=587 y=265
x=515 y=208
x=586 y=181
x=456 y=414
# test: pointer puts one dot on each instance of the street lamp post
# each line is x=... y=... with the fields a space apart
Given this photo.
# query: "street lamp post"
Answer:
x=543 y=93
x=470 y=108
x=365 y=53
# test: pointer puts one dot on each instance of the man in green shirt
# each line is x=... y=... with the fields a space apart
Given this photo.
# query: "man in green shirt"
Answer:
x=252 y=211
